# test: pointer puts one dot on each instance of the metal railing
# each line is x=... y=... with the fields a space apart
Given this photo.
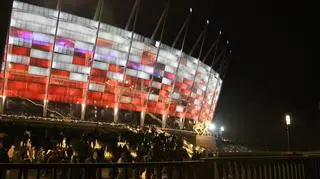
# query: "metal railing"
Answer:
x=100 y=170
x=235 y=167
x=263 y=167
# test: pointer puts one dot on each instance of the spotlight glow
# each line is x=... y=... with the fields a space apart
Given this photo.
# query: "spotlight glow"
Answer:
x=212 y=127
x=288 y=119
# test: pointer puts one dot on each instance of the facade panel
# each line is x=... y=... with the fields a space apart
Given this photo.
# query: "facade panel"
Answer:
x=59 y=57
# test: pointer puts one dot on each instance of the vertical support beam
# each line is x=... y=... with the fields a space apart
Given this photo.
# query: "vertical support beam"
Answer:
x=164 y=120
x=221 y=58
x=224 y=65
x=214 y=97
x=164 y=15
x=58 y=7
x=116 y=113
x=213 y=63
x=205 y=92
x=98 y=9
x=3 y=100
x=45 y=106
x=192 y=86
x=216 y=44
x=84 y=105
x=83 y=109
x=142 y=118
x=133 y=11
x=196 y=43
x=181 y=122
x=4 y=79
x=186 y=23
x=203 y=35
x=4 y=64
x=45 y=101
x=174 y=83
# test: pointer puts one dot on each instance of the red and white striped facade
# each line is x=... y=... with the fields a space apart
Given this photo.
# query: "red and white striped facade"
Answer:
x=56 y=56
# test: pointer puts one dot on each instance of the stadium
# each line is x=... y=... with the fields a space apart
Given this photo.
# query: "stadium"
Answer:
x=61 y=66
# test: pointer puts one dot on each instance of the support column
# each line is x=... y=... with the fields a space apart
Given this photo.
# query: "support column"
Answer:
x=214 y=97
x=204 y=100
x=135 y=13
x=164 y=120
x=83 y=111
x=3 y=102
x=186 y=27
x=158 y=45
x=203 y=36
x=85 y=98
x=142 y=118
x=45 y=101
x=214 y=45
x=115 y=114
x=181 y=122
x=4 y=78
x=45 y=107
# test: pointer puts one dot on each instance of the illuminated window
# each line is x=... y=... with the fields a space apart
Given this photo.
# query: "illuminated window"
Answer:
x=40 y=54
x=96 y=87
x=62 y=58
x=20 y=41
x=78 y=77
x=153 y=97
x=38 y=71
x=18 y=59
x=100 y=65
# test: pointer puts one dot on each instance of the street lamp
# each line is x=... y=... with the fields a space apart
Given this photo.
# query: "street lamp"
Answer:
x=288 y=123
x=212 y=127
x=222 y=129
x=288 y=119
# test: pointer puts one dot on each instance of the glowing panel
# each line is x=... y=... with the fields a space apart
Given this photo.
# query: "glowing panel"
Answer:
x=18 y=59
x=172 y=82
x=38 y=71
x=40 y=54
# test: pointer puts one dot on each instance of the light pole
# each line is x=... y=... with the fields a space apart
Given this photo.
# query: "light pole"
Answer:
x=288 y=123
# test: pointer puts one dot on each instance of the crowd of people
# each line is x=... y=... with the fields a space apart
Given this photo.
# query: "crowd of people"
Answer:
x=137 y=145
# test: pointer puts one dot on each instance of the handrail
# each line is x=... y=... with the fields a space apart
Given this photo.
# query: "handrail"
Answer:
x=99 y=165
x=215 y=168
x=276 y=157
x=153 y=164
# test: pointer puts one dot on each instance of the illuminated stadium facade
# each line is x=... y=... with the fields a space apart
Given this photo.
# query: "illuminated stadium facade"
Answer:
x=89 y=68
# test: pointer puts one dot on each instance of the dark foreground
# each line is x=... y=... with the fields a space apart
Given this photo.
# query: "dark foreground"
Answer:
x=227 y=167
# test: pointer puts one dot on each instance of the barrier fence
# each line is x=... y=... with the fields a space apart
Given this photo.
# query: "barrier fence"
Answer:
x=240 y=167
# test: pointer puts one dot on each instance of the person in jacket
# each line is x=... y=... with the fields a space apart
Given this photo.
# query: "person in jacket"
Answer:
x=11 y=153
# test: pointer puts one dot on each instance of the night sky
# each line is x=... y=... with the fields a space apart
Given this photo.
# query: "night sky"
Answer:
x=272 y=66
